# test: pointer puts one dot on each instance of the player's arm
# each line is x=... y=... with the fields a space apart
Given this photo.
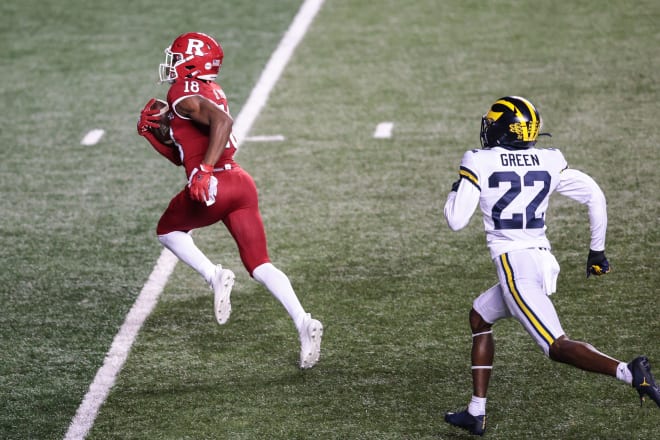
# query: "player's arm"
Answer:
x=461 y=203
x=150 y=119
x=205 y=112
x=583 y=189
x=169 y=152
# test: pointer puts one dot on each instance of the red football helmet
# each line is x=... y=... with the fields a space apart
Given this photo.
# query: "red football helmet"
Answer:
x=192 y=55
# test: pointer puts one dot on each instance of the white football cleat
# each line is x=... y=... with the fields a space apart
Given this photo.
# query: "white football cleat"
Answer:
x=222 y=282
x=310 y=342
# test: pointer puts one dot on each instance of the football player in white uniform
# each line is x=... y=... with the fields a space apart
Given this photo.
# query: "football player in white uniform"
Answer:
x=511 y=180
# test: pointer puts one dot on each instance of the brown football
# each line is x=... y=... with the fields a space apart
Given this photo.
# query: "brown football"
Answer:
x=162 y=133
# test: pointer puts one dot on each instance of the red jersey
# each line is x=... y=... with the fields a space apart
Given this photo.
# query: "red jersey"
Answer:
x=192 y=139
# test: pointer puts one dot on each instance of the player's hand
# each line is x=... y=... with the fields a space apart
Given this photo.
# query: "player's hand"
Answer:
x=597 y=263
x=148 y=118
x=199 y=182
x=454 y=186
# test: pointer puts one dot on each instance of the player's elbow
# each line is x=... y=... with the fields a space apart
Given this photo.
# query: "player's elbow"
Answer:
x=223 y=118
x=456 y=224
x=596 y=199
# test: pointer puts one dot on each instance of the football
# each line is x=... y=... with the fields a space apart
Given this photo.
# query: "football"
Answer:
x=162 y=133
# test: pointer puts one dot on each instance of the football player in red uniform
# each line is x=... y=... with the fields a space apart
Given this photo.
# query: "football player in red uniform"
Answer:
x=218 y=188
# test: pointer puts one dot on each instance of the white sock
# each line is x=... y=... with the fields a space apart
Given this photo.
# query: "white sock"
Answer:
x=477 y=406
x=279 y=285
x=623 y=373
x=182 y=245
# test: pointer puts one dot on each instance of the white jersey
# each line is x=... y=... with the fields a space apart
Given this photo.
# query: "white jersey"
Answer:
x=513 y=187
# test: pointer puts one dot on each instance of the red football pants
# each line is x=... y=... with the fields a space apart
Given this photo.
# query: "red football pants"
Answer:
x=236 y=205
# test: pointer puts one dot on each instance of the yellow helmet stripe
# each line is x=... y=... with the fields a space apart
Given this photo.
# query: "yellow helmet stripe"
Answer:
x=511 y=106
x=496 y=115
x=521 y=117
x=534 y=122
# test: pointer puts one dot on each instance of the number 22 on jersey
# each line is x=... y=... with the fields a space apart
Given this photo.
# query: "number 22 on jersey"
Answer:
x=518 y=185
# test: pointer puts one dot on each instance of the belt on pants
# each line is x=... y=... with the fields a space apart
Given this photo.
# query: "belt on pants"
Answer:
x=225 y=167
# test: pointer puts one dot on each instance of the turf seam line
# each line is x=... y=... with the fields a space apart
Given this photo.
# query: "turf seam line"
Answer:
x=148 y=297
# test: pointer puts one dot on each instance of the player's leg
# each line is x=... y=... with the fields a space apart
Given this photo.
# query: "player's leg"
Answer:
x=310 y=330
x=524 y=276
x=182 y=215
x=483 y=352
x=246 y=226
x=244 y=223
x=583 y=356
x=247 y=229
x=523 y=273
x=182 y=245
x=488 y=308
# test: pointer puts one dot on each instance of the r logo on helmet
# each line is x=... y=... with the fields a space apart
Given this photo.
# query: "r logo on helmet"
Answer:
x=195 y=45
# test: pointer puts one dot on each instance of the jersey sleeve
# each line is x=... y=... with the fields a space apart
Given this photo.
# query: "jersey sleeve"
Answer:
x=461 y=204
x=166 y=151
x=583 y=189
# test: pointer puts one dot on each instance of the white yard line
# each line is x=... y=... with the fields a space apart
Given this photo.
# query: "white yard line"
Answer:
x=278 y=60
x=265 y=138
x=148 y=297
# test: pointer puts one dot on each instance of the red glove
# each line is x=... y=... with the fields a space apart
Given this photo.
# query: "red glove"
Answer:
x=149 y=118
x=199 y=182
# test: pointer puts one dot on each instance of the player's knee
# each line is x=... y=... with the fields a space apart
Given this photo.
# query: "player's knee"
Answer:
x=477 y=323
x=558 y=348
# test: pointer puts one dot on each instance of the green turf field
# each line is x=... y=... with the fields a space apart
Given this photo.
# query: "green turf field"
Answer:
x=355 y=222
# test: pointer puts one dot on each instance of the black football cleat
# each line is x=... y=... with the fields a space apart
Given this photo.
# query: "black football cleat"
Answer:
x=474 y=424
x=643 y=380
